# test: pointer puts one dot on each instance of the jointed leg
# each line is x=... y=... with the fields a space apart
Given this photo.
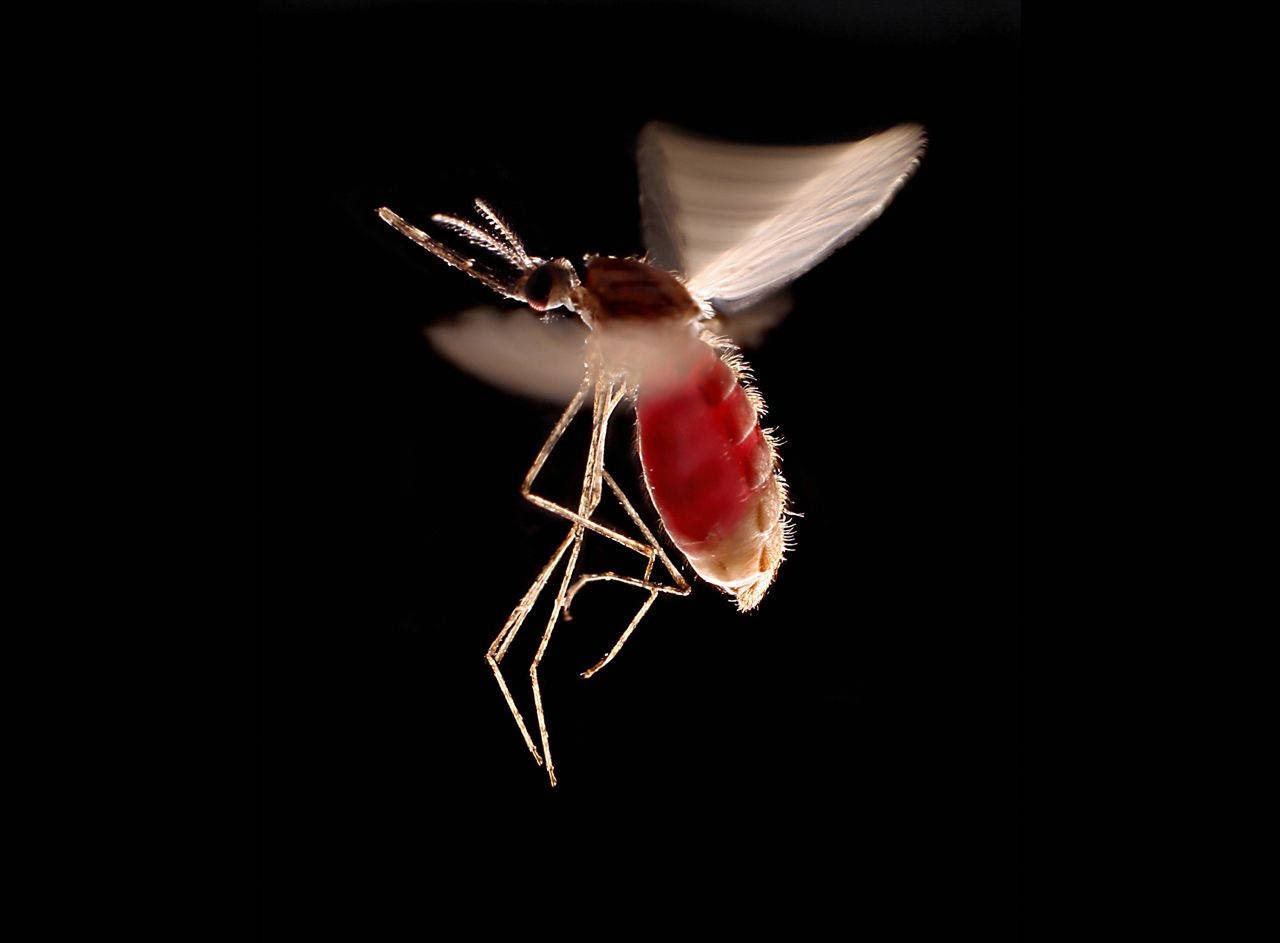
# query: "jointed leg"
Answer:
x=680 y=589
x=622 y=639
x=503 y=640
x=644 y=529
x=580 y=517
x=498 y=649
x=589 y=498
x=594 y=477
x=587 y=503
x=654 y=551
x=542 y=647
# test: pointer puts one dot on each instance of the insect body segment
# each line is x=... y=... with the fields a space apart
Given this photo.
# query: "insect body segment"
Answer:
x=710 y=470
x=626 y=289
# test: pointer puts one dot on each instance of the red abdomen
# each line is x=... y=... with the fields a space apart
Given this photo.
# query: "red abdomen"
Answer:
x=709 y=468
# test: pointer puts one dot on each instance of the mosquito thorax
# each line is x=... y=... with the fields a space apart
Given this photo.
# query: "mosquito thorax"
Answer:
x=631 y=290
x=549 y=285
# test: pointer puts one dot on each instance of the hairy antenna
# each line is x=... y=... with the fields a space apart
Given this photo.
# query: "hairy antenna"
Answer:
x=508 y=288
x=503 y=229
x=478 y=237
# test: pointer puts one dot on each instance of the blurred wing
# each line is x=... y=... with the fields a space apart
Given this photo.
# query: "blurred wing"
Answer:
x=738 y=221
x=516 y=350
x=747 y=326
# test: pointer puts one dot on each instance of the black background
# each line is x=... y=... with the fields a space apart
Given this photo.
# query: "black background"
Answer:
x=850 y=744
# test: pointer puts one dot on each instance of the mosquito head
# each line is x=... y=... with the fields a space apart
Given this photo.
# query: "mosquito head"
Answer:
x=549 y=285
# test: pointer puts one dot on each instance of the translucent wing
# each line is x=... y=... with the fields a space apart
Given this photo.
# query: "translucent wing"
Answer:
x=515 y=350
x=739 y=221
x=747 y=326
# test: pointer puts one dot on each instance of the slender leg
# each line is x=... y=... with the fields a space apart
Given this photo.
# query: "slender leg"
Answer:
x=542 y=647
x=644 y=528
x=580 y=517
x=612 y=577
x=680 y=589
x=595 y=477
x=500 y=644
x=516 y=619
x=655 y=550
x=498 y=648
x=591 y=494
x=622 y=639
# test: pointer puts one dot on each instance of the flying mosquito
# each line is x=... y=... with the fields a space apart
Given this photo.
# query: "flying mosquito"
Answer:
x=727 y=226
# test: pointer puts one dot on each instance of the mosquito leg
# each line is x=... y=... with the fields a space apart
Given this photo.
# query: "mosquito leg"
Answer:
x=680 y=589
x=517 y=617
x=498 y=649
x=622 y=639
x=611 y=577
x=542 y=648
x=587 y=502
x=653 y=550
x=644 y=529
x=584 y=510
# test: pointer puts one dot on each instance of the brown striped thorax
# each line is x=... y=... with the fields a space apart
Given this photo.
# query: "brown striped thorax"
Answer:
x=630 y=290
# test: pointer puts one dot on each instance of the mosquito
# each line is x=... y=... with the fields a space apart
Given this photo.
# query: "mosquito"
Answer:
x=726 y=226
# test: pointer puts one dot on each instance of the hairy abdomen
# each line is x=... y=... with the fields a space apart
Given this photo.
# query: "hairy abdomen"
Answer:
x=710 y=470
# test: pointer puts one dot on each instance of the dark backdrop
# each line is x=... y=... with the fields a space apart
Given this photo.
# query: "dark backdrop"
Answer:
x=853 y=742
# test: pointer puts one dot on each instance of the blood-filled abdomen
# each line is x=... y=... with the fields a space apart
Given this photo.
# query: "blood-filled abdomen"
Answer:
x=709 y=468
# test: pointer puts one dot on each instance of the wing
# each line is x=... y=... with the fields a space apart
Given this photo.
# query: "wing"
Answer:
x=515 y=350
x=747 y=326
x=738 y=221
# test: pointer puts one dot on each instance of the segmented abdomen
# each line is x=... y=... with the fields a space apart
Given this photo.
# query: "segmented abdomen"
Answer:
x=709 y=468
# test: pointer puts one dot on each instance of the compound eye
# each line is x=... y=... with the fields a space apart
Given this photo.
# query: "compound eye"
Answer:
x=538 y=286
